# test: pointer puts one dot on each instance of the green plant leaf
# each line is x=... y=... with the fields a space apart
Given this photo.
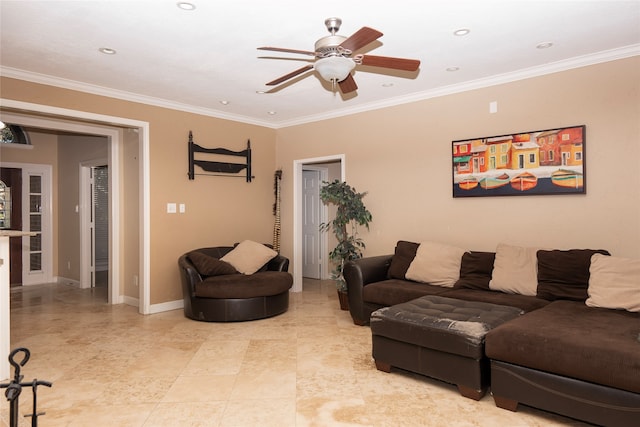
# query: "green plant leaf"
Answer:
x=350 y=213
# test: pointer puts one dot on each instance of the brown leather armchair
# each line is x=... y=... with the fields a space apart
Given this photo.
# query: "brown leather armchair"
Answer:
x=234 y=297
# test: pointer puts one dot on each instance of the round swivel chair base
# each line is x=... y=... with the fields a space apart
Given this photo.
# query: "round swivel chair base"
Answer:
x=237 y=309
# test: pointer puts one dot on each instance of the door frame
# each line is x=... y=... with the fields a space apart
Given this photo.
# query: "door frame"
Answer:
x=111 y=127
x=297 y=209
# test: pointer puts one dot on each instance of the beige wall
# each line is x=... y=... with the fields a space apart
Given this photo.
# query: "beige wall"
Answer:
x=219 y=210
x=402 y=157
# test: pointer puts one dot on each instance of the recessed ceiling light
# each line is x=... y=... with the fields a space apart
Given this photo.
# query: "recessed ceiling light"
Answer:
x=387 y=84
x=453 y=68
x=461 y=32
x=544 y=45
x=186 y=5
x=260 y=92
x=271 y=113
x=224 y=102
x=107 y=51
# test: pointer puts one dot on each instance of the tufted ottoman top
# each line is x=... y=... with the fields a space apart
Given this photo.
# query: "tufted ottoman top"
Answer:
x=440 y=323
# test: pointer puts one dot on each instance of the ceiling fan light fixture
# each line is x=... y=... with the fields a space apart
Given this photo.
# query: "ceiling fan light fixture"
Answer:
x=334 y=68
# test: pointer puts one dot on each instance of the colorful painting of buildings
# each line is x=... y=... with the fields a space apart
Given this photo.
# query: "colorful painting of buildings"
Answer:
x=539 y=154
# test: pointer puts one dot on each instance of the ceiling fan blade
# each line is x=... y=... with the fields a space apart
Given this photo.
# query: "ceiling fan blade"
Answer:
x=290 y=75
x=360 y=38
x=287 y=59
x=390 y=62
x=281 y=49
x=348 y=84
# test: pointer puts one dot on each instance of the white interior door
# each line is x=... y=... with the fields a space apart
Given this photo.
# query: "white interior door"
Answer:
x=311 y=220
x=90 y=233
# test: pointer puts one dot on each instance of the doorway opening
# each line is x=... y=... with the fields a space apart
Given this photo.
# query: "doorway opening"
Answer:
x=123 y=136
x=335 y=169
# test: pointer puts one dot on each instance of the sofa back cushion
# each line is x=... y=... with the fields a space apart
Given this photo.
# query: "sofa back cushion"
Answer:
x=404 y=254
x=515 y=270
x=248 y=256
x=475 y=270
x=436 y=263
x=210 y=266
x=614 y=283
x=565 y=274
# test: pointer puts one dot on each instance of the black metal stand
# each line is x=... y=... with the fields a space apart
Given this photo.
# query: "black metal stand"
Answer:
x=14 y=388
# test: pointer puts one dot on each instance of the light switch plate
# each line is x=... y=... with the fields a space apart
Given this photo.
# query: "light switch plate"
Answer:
x=171 y=208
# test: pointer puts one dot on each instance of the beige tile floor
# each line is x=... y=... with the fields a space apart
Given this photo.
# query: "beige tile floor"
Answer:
x=311 y=366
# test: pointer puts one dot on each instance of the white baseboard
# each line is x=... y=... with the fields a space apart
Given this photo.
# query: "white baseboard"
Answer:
x=166 y=306
x=65 y=281
x=135 y=302
x=154 y=308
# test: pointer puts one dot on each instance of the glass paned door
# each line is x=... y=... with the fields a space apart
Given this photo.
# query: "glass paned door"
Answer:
x=37 y=250
x=35 y=223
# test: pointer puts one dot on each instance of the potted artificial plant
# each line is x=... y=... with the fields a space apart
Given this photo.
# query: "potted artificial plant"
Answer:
x=350 y=214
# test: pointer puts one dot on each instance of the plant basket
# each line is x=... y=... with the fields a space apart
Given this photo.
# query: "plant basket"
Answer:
x=343 y=297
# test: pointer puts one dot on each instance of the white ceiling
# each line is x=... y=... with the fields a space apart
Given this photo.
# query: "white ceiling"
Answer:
x=193 y=60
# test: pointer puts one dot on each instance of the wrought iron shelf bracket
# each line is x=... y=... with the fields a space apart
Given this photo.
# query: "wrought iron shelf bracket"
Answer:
x=216 y=168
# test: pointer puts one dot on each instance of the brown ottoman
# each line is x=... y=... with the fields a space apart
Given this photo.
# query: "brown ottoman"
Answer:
x=439 y=337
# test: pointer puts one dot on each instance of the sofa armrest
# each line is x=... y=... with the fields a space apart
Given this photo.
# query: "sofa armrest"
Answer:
x=358 y=274
x=279 y=263
x=189 y=276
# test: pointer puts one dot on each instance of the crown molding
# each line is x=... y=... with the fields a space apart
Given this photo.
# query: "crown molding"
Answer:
x=48 y=80
x=526 y=73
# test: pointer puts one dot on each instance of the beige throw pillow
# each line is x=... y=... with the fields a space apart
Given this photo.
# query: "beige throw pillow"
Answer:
x=515 y=270
x=614 y=283
x=436 y=264
x=248 y=257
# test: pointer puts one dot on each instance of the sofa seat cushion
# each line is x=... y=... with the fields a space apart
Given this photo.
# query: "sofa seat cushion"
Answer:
x=394 y=291
x=444 y=324
x=568 y=338
x=265 y=283
x=524 y=302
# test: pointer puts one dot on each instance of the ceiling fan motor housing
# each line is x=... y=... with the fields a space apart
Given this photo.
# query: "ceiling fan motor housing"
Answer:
x=328 y=46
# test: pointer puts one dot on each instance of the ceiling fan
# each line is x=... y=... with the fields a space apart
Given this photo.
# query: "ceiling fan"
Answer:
x=334 y=59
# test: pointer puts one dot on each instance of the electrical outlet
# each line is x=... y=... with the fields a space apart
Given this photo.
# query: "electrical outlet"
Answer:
x=182 y=208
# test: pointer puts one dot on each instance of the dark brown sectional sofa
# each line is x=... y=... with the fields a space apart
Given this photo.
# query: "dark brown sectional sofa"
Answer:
x=560 y=355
